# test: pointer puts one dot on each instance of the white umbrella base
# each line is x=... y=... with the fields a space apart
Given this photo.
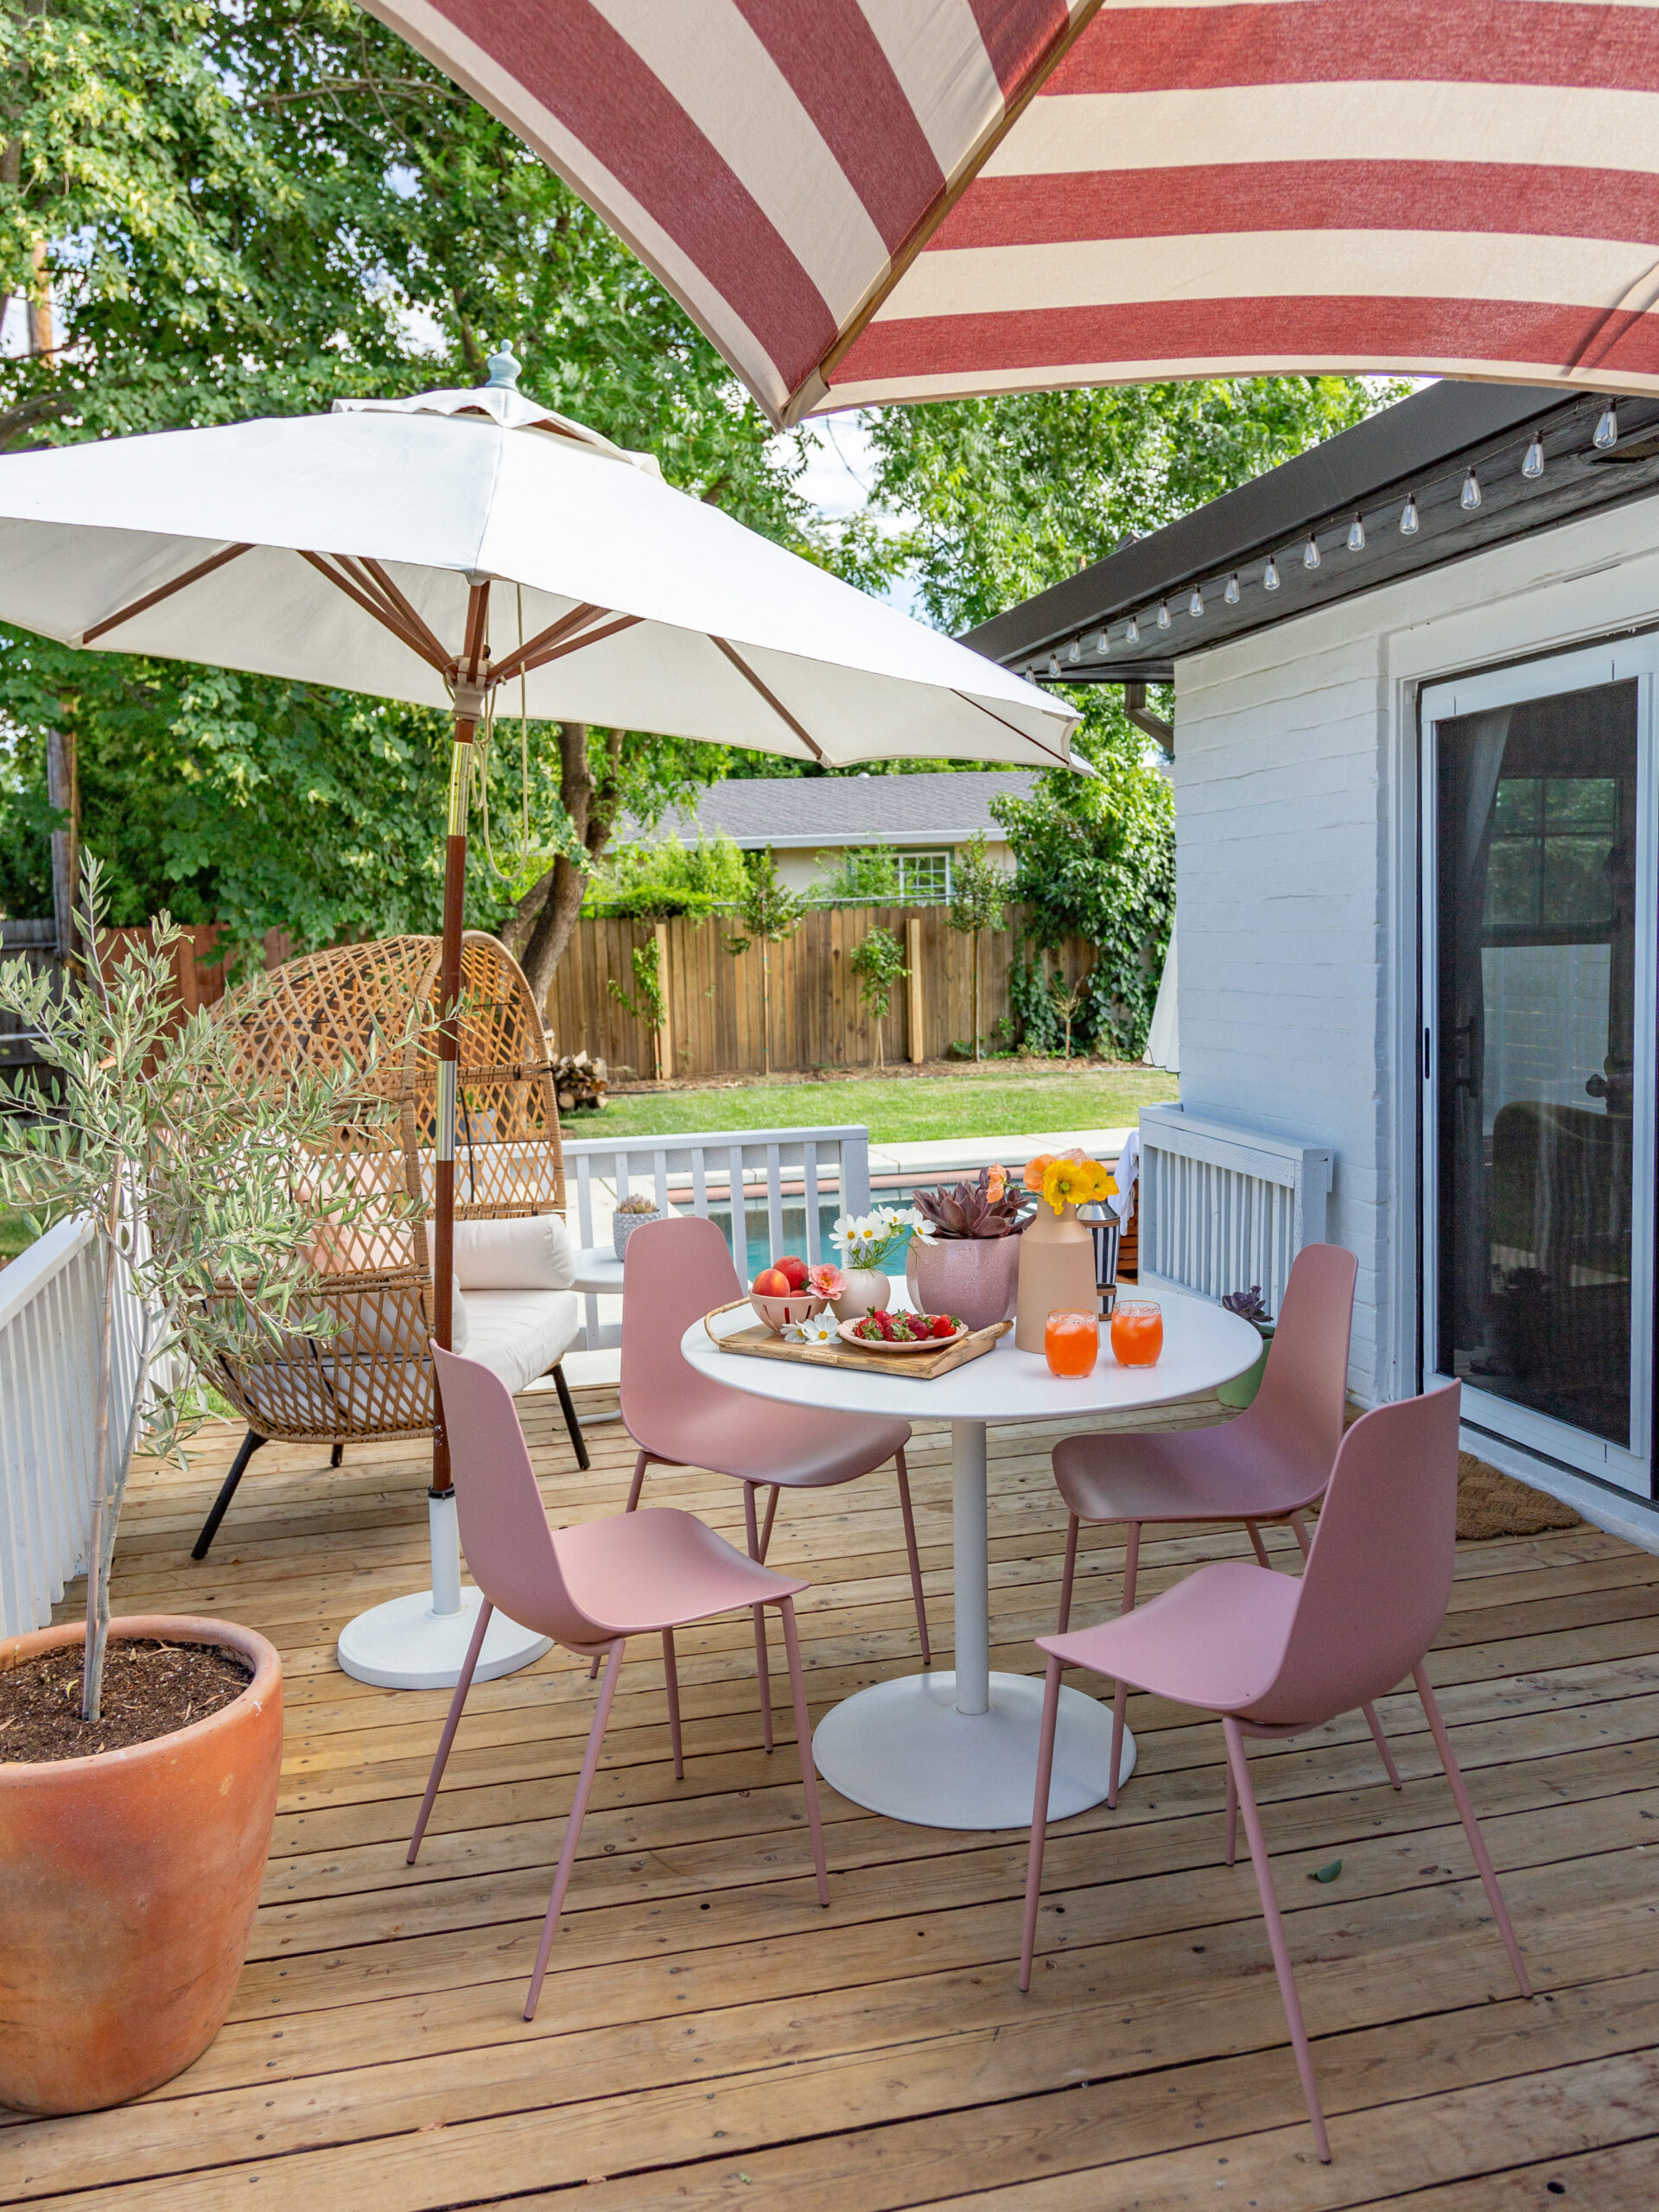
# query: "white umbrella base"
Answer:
x=404 y=1645
x=903 y=1749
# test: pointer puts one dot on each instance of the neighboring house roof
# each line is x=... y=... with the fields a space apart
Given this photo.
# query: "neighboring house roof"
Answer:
x=789 y=812
x=1422 y=449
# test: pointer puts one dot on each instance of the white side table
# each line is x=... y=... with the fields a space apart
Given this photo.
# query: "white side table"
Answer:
x=959 y=1750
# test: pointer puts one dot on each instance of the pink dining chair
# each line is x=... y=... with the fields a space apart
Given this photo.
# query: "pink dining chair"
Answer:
x=590 y=1588
x=1269 y=1463
x=1274 y=1655
x=674 y=1272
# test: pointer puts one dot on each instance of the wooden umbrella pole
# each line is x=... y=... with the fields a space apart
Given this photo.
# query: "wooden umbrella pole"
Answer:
x=469 y=709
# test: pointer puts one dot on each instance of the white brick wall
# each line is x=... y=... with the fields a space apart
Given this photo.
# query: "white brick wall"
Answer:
x=1295 y=785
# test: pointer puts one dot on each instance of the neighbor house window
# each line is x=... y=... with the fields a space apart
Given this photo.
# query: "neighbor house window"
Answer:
x=924 y=878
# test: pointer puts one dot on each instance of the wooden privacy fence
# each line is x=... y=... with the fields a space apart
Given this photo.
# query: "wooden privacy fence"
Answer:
x=714 y=1020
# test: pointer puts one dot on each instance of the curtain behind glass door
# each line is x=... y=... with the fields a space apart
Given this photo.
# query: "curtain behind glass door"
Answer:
x=1536 y=816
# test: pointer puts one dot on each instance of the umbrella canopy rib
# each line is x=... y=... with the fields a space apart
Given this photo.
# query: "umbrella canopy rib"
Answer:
x=772 y=701
x=375 y=570
x=570 y=645
x=381 y=611
x=164 y=591
x=521 y=658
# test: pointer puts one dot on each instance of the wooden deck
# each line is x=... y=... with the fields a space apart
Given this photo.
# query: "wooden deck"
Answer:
x=708 y=2037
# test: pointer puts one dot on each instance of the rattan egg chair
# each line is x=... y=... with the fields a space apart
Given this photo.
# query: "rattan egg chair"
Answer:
x=373 y=1376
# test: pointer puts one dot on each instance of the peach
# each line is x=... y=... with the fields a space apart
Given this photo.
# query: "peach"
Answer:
x=793 y=1269
x=771 y=1282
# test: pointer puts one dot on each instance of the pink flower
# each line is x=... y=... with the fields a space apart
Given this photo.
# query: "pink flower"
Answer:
x=827 y=1282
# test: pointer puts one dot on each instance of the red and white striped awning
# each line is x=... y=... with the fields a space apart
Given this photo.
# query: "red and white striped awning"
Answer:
x=865 y=200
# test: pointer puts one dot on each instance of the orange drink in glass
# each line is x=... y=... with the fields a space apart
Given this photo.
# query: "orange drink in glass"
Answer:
x=1072 y=1342
x=1137 y=1331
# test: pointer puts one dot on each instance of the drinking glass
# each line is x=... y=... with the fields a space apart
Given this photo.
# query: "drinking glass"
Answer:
x=1072 y=1342
x=1137 y=1331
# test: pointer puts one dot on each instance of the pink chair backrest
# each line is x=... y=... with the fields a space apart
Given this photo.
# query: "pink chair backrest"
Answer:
x=503 y=1529
x=1378 y=1578
x=673 y=1273
x=1304 y=1392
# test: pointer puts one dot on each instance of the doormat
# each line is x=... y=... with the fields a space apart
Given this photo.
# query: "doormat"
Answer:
x=1494 y=1504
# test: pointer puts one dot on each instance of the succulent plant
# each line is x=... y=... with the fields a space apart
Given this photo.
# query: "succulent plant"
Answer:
x=970 y=1211
x=1250 y=1305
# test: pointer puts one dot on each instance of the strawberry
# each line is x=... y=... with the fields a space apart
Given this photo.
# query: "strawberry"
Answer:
x=943 y=1326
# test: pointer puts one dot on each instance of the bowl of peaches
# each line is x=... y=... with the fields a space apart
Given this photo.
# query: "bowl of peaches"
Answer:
x=790 y=1292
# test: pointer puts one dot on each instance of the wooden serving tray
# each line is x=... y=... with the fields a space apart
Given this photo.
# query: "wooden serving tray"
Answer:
x=759 y=1343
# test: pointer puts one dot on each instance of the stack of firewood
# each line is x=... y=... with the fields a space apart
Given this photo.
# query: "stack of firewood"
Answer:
x=582 y=1082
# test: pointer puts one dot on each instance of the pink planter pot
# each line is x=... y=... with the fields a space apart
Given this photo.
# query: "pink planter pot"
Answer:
x=974 y=1277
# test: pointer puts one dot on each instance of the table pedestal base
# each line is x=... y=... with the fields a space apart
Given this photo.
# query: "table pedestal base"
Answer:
x=903 y=1749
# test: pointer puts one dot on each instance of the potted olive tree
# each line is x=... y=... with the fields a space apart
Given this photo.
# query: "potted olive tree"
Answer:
x=139 y=1756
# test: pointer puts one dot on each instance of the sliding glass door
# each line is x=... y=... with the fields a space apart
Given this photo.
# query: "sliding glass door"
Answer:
x=1538 y=1000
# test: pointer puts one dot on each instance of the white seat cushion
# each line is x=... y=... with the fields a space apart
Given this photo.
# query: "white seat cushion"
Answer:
x=518 y=1334
x=526 y=1252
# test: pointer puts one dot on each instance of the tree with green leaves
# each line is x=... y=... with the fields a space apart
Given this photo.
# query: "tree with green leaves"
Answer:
x=979 y=894
x=878 y=961
x=211 y=212
x=770 y=912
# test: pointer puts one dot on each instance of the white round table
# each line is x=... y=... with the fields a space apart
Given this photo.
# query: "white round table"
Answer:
x=959 y=1750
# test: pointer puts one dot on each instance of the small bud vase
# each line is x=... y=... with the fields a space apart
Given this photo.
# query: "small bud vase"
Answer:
x=1056 y=1274
x=867 y=1291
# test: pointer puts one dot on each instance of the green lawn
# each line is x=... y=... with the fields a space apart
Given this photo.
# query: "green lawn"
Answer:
x=14 y=1235
x=997 y=1098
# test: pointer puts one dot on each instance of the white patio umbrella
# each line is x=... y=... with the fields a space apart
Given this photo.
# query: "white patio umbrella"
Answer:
x=436 y=549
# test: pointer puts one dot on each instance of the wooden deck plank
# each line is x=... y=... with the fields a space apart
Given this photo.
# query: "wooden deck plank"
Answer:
x=704 y=2018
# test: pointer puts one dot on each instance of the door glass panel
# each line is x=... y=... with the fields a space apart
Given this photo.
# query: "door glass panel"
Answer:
x=1536 y=816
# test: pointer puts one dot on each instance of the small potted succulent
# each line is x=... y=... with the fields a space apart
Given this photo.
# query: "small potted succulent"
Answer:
x=964 y=1258
x=1250 y=1305
x=631 y=1214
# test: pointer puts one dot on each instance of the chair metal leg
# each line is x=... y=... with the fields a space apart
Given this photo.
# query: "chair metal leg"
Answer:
x=772 y=1515
x=1121 y=1694
x=638 y=1483
x=672 y=1675
x=1471 y=1828
x=452 y=1721
x=573 y=1824
x=337 y=1454
x=804 y=1738
x=915 y=1557
x=1068 y=1572
x=1382 y=1743
x=1039 y=1816
x=1276 y=1942
x=1232 y=1817
x=1261 y=1548
x=251 y=1443
x=572 y=1426
x=762 y=1672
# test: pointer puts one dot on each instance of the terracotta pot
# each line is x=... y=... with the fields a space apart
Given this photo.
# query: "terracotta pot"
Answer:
x=1057 y=1273
x=128 y=1883
x=868 y=1289
x=974 y=1277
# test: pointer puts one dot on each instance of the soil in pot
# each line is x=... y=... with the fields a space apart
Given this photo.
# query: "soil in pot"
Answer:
x=149 y=1689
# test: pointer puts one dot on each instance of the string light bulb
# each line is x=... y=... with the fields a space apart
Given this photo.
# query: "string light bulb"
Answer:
x=1606 y=435
x=1408 y=516
x=1053 y=664
x=1470 y=496
x=1356 y=536
x=1311 y=553
x=1074 y=651
x=1533 y=466
x=1270 y=575
x=1132 y=636
x=1232 y=593
x=1100 y=642
x=1195 y=605
x=1163 y=614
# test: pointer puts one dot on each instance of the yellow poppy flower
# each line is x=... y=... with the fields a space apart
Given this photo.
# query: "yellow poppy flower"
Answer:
x=1068 y=1183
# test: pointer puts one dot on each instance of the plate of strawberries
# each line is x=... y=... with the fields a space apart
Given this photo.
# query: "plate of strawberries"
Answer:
x=885 y=1332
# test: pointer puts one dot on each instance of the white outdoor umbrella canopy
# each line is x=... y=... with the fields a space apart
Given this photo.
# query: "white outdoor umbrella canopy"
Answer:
x=440 y=550
x=441 y=498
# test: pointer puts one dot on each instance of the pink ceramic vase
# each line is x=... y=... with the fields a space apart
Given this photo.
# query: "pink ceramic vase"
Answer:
x=973 y=1277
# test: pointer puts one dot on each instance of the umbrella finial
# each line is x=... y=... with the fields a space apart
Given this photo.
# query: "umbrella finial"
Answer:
x=504 y=370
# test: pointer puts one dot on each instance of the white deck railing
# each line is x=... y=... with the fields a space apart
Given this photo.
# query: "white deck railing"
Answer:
x=50 y=1300
x=1224 y=1206
x=767 y=1169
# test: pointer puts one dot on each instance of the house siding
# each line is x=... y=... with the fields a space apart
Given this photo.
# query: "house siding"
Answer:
x=1295 y=788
